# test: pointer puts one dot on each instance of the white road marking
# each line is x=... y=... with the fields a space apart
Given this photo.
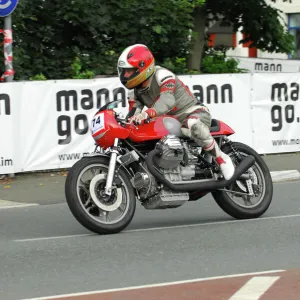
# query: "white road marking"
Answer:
x=17 y=206
x=163 y=228
x=6 y=204
x=254 y=288
x=54 y=237
x=214 y=223
x=158 y=285
x=283 y=176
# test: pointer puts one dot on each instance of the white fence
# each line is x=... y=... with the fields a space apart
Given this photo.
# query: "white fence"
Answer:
x=268 y=65
x=45 y=125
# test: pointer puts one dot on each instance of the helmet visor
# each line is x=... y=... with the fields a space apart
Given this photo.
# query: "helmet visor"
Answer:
x=126 y=74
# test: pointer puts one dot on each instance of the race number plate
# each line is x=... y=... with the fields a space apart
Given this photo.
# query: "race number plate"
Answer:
x=97 y=123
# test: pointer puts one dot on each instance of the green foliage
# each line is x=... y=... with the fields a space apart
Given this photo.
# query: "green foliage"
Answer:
x=178 y=66
x=38 y=77
x=76 y=68
x=77 y=39
x=216 y=62
x=49 y=35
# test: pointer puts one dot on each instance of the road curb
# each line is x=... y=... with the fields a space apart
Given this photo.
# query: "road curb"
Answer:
x=287 y=175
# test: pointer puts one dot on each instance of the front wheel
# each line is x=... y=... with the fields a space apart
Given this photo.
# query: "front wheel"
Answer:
x=92 y=208
x=235 y=201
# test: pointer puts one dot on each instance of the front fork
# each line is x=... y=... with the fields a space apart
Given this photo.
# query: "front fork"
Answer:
x=111 y=168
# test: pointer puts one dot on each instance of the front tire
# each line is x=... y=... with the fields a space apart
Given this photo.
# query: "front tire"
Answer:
x=85 y=196
x=261 y=175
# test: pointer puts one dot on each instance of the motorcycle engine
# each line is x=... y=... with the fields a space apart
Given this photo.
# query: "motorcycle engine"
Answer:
x=172 y=152
x=177 y=162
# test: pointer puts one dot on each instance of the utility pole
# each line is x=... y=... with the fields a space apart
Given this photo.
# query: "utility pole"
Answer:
x=6 y=9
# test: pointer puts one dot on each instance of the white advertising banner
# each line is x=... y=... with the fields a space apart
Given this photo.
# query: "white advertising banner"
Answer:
x=276 y=113
x=228 y=98
x=56 y=115
x=45 y=125
x=259 y=65
x=7 y=132
x=56 y=119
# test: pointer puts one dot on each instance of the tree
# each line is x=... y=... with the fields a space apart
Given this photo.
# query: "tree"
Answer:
x=74 y=38
x=50 y=36
x=259 y=20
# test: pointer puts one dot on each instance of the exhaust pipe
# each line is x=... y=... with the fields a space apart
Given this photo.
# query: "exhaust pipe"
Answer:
x=209 y=185
x=244 y=177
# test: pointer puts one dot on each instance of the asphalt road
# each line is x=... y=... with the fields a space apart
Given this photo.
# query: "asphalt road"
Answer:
x=45 y=252
x=48 y=187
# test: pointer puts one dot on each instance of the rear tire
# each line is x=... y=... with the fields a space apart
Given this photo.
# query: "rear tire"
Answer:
x=227 y=204
x=73 y=191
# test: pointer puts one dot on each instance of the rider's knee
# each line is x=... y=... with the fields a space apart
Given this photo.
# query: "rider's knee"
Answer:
x=200 y=131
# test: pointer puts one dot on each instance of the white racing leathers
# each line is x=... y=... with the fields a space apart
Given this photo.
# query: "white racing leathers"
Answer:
x=166 y=94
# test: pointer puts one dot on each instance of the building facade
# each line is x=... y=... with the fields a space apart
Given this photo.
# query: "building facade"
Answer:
x=291 y=19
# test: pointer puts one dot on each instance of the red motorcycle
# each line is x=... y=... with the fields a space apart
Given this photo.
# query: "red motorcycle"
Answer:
x=160 y=167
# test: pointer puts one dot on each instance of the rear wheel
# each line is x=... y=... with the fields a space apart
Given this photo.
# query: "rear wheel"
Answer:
x=87 y=201
x=236 y=201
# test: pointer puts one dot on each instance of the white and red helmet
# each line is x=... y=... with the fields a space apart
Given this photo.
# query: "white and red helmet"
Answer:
x=135 y=65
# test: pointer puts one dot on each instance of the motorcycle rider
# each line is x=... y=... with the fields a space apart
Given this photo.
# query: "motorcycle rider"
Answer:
x=164 y=94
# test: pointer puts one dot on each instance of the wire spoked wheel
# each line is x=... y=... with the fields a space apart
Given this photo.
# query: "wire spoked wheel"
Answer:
x=239 y=190
x=88 y=202
x=246 y=199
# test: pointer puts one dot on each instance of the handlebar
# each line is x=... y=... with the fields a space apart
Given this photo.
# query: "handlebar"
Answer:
x=147 y=121
x=125 y=121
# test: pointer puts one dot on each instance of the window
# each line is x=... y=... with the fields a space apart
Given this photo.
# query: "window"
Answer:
x=223 y=39
x=221 y=35
x=294 y=29
x=295 y=20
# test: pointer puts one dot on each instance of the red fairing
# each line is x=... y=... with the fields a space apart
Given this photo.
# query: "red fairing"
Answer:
x=153 y=131
x=105 y=129
x=224 y=130
x=156 y=130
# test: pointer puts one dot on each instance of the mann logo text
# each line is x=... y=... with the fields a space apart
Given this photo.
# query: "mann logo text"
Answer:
x=268 y=67
x=283 y=92
x=213 y=94
x=286 y=94
x=85 y=100
x=4 y=104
